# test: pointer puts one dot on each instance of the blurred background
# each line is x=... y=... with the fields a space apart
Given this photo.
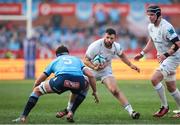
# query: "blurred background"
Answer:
x=30 y=30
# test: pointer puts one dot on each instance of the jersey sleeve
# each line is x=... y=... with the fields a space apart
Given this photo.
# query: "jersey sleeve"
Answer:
x=170 y=32
x=92 y=51
x=119 y=49
x=49 y=69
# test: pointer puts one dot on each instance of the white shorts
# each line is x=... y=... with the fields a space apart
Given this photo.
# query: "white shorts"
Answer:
x=101 y=75
x=169 y=66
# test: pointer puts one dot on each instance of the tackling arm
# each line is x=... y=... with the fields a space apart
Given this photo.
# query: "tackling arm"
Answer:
x=92 y=82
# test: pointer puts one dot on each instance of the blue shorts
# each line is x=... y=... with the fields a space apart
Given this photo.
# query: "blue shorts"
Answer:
x=64 y=82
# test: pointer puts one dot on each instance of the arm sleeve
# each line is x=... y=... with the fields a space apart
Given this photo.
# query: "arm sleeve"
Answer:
x=119 y=49
x=92 y=51
x=49 y=69
x=170 y=32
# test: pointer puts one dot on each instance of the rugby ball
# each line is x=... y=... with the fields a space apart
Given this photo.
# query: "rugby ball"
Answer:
x=99 y=59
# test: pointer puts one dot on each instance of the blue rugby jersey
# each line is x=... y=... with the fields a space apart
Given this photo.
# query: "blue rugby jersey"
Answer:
x=65 y=64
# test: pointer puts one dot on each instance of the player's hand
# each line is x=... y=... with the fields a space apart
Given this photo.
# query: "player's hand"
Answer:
x=35 y=85
x=95 y=97
x=135 y=67
x=102 y=66
x=96 y=67
x=138 y=57
x=99 y=67
x=161 y=58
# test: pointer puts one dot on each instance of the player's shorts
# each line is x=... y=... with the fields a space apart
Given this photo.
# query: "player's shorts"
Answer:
x=169 y=66
x=64 y=82
x=101 y=75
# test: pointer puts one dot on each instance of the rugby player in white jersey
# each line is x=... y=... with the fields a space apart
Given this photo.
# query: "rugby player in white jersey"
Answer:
x=164 y=38
x=108 y=48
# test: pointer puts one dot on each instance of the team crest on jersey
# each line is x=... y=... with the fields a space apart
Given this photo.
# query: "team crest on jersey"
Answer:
x=171 y=31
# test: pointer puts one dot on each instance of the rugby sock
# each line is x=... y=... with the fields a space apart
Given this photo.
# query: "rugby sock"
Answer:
x=79 y=99
x=30 y=104
x=176 y=96
x=70 y=104
x=128 y=108
x=161 y=92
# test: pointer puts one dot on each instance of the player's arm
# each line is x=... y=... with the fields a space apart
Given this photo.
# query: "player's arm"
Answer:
x=174 y=48
x=40 y=79
x=92 y=82
x=171 y=51
x=44 y=75
x=126 y=61
x=149 y=46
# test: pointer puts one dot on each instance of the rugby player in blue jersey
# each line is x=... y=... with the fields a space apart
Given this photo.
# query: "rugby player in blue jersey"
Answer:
x=68 y=71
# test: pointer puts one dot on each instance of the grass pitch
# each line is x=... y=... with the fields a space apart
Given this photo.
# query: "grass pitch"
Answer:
x=14 y=94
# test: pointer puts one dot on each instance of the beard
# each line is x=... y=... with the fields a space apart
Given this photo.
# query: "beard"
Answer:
x=108 y=45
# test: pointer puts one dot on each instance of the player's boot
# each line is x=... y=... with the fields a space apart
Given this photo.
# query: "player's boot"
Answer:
x=69 y=117
x=135 y=115
x=20 y=119
x=62 y=113
x=161 y=112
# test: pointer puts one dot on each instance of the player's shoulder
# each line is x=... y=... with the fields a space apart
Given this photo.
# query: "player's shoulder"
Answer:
x=150 y=26
x=97 y=43
x=117 y=45
x=165 y=24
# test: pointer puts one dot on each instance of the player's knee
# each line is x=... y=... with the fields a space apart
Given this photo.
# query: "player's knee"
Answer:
x=171 y=86
x=157 y=77
x=154 y=80
x=37 y=91
x=115 y=92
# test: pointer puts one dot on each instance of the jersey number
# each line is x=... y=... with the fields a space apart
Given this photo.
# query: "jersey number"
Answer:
x=67 y=61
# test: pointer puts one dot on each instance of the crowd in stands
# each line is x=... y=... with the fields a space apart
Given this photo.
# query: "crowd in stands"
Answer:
x=49 y=35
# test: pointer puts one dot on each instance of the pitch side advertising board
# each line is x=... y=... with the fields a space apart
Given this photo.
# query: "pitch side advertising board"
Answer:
x=14 y=69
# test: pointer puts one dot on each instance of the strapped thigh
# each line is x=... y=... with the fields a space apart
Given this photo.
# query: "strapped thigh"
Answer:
x=42 y=88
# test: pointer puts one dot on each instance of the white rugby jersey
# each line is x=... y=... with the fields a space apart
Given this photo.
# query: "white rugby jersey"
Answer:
x=162 y=35
x=98 y=48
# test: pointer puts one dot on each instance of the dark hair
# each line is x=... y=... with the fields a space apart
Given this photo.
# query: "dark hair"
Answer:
x=110 y=31
x=154 y=9
x=61 y=50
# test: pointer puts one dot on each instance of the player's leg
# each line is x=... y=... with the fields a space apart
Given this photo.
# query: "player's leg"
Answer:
x=72 y=98
x=161 y=73
x=156 y=79
x=174 y=91
x=42 y=89
x=111 y=84
x=77 y=102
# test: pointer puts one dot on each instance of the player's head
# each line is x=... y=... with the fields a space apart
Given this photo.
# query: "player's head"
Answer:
x=109 y=38
x=154 y=13
x=62 y=50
